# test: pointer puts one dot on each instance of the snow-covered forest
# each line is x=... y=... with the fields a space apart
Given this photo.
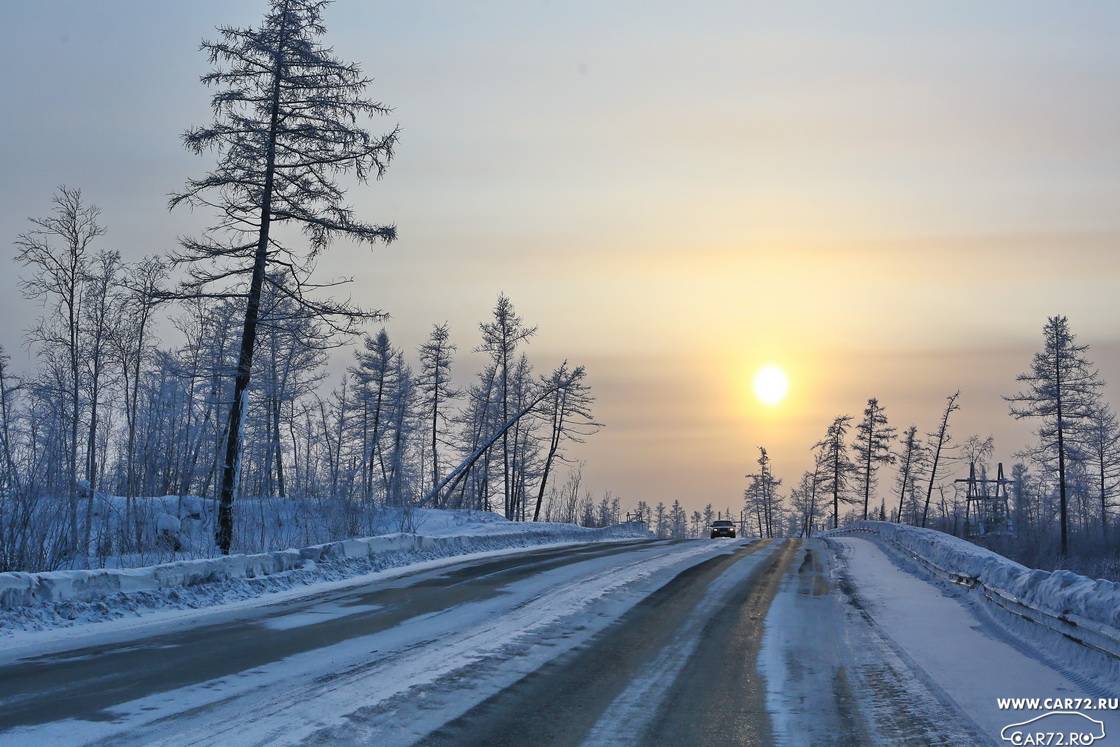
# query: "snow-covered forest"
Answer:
x=201 y=373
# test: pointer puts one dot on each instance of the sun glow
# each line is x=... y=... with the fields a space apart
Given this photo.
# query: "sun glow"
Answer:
x=770 y=385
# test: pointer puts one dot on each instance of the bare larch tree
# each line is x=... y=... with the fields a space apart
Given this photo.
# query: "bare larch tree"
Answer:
x=872 y=446
x=434 y=383
x=1061 y=387
x=568 y=412
x=913 y=459
x=1102 y=443
x=57 y=251
x=288 y=123
x=941 y=437
x=500 y=338
x=838 y=465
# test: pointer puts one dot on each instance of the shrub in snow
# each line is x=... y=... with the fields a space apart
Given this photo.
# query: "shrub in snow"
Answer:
x=168 y=527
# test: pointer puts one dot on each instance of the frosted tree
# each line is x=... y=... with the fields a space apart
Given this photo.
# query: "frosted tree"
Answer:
x=836 y=463
x=587 y=510
x=101 y=317
x=678 y=521
x=526 y=402
x=476 y=420
x=501 y=337
x=130 y=343
x=801 y=498
x=1101 y=439
x=11 y=487
x=288 y=123
x=294 y=347
x=604 y=510
x=762 y=494
x=805 y=497
x=523 y=457
x=912 y=462
x=400 y=420
x=660 y=526
x=872 y=446
x=567 y=414
x=57 y=250
x=1060 y=388
x=374 y=375
x=435 y=389
x=940 y=440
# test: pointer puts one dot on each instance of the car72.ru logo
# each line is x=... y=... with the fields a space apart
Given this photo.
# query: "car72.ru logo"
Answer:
x=1054 y=728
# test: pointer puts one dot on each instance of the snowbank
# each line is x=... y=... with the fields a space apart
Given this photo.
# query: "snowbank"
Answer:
x=72 y=594
x=1091 y=607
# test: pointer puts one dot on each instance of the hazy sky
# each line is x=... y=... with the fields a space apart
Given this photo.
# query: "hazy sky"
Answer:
x=884 y=198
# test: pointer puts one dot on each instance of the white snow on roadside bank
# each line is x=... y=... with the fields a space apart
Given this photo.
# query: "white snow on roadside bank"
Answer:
x=941 y=636
x=41 y=601
x=1059 y=593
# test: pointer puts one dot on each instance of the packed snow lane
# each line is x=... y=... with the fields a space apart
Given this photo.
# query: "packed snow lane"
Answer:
x=676 y=669
x=280 y=672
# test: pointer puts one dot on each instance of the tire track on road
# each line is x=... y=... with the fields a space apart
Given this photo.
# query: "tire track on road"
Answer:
x=559 y=703
x=88 y=682
x=719 y=698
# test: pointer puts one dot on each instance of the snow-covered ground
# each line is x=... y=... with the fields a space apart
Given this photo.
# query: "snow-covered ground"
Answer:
x=867 y=644
x=1091 y=603
x=40 y=601
x=972 y=661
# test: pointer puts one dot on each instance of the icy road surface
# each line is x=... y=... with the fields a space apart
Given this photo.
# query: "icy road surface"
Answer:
x=681 y=643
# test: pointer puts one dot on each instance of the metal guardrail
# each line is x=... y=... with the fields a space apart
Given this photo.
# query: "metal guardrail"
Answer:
x=1089 y=633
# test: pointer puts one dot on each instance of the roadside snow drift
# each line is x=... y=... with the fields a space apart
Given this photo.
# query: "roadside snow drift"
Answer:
x=1085 y=603
x=46 y=599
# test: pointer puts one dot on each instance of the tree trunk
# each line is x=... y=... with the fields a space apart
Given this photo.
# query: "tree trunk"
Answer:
x=867 y=466
x=553 y=446
x=435 y=425
x=73 y=443
x=836 y=486
x=1104 y=510
x=224 y=534
x=933 y=469
x=905 y=482
x=1064 y=518
x=280 y=487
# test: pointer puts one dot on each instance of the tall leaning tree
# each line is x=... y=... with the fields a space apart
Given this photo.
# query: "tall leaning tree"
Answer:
x=289 y=123
x=939 y=441
x=1061 y=388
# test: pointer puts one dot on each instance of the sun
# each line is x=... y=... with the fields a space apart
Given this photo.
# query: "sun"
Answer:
x=770 y=385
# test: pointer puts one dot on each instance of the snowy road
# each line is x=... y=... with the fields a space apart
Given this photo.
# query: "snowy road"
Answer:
x=816 y=642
